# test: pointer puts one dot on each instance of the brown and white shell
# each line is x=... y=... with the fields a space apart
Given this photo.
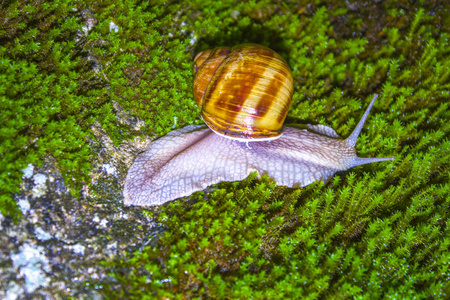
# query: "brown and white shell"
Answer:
x=244 y=92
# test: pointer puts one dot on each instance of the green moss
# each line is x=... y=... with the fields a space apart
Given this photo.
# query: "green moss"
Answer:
x=59 y=75
x=377 y=231
x=145 y=65
x=345 y=241
x=41 y=107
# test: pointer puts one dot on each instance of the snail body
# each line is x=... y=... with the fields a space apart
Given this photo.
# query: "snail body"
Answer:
x=194 y=157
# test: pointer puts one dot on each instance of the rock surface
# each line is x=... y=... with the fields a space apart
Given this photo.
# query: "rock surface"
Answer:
x=56 y=249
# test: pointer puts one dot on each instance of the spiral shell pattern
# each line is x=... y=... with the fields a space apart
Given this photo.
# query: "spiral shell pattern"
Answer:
x=244 y=92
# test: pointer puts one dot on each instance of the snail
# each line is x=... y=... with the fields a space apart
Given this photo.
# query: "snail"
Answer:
x=244 y=93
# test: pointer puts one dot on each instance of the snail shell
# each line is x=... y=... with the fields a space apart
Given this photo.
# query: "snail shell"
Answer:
x=244 y=92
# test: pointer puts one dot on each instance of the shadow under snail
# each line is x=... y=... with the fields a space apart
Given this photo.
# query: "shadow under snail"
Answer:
x=244 y=93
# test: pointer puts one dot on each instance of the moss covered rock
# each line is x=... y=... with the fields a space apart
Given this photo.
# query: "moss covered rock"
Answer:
x=84 y=86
